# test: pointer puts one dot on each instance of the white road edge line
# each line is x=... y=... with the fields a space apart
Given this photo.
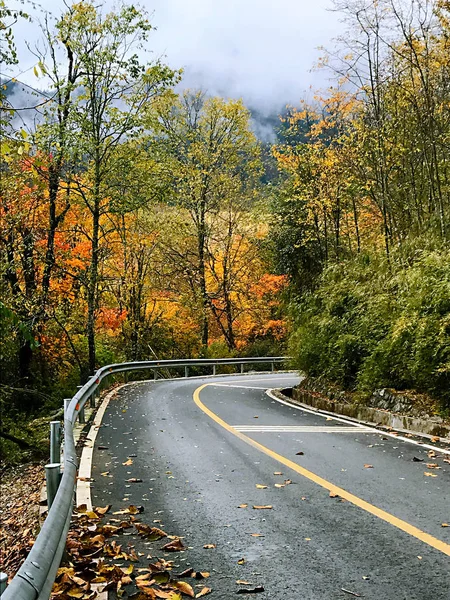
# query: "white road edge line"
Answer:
x=83 y=490
x=270 y=393
x=299 y=430
x=232 y=385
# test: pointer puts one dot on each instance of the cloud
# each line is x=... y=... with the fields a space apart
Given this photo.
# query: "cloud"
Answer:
x=261 y=50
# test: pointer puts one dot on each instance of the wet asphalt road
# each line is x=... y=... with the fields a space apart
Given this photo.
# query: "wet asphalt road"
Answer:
x=195 y=475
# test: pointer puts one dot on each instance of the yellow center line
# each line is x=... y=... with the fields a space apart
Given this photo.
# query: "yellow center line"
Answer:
x=370 y=508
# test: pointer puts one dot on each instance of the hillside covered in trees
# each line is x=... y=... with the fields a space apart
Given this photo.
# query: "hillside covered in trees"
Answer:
x=362 y=216
x=138 y=222
x=134 y=219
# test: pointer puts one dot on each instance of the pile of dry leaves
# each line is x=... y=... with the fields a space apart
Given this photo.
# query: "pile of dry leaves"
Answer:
x=98 y=562
x=19 y=514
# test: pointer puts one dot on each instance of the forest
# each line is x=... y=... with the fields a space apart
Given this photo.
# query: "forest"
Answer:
x=139 y=221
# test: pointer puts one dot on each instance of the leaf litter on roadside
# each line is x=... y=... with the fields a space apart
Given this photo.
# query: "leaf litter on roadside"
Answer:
x=98 y=562
x=19 y=507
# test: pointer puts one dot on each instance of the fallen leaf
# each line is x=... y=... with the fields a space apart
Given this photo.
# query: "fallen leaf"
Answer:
x=91 y=514
x=174 y=546
x=200 y=575
x=134 y=480
x=134 y=510
x=257 y=535
x=242 y=505
x=299 y=453
x=279 y=485
x=75 y=592
x=187 y=573
x=105 y=474
x=151 y=533
x=256 y=590
x=161 y=578
x=307 y=539
x=419 y=557
x=209 y=546
x=184 y=588
x=433 y=466
x=128 y=570
x=203 y=592
x=368 y=466
x=445 y=525
x=351 y=593
x=267 y=506
x=241 y=561
x=427 y=474
x=131 y=510
x=243 y=582
x=128 y=462
x=334 y=495
x=435 y=438
x=278 y=473
x=260 y=486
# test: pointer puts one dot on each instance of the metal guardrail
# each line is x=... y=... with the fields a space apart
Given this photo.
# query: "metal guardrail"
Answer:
x=35 y=577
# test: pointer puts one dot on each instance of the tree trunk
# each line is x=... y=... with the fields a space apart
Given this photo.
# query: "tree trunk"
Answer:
x=201 y=238
x=355 y=218
x=93 y=278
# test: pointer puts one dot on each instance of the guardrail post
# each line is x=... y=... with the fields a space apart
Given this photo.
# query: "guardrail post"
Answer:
x=3 y=582
x=186 y=371
x=214 y=369
x=155 y=374
x=81 y=416
x=55 y=441
x=272 y=365
x=242 y=367
x=92 y=400
x=52 y=479
x=66 y=406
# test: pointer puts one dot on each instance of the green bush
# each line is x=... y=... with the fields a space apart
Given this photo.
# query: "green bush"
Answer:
x=369 y=324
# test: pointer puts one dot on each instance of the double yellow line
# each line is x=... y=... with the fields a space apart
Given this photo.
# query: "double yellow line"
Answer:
x=370 y=508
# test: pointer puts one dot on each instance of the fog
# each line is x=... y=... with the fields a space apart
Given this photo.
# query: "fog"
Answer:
x=261 y=50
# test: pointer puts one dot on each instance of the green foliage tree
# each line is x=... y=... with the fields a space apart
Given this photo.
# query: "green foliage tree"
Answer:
x=371 y=177
x=213 y=162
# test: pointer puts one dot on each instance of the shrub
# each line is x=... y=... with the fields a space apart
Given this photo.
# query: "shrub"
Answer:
x=368 y=325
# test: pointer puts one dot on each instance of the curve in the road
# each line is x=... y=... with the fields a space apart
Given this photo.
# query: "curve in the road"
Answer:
x=332 y=488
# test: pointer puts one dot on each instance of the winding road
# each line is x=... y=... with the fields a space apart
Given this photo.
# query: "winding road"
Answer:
x=354 y=512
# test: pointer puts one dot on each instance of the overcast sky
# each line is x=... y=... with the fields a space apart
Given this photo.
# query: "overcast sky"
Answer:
x=261 y=50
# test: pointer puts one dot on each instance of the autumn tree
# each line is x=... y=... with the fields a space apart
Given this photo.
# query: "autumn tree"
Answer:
x=115 y=90
x=212 y=160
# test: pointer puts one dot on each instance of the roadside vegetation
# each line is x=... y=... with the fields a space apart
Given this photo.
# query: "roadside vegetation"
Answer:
x=141 y=223
x=362 y=217
x=133 y=218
